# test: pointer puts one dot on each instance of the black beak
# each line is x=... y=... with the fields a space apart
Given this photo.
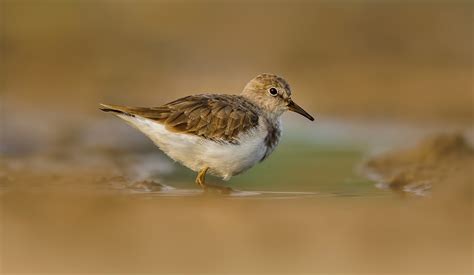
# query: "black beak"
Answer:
x=292 y=106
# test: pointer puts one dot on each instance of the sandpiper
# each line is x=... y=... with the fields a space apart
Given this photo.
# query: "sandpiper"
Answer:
x=224 y=135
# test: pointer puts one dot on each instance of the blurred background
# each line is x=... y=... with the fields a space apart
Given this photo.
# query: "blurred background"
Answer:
x=376 y=75
x=397 y=60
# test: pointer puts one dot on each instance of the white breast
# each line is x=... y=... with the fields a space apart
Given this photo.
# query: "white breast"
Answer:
x=223 y=159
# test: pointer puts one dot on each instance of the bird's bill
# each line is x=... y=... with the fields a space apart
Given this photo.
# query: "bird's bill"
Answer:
x=292 y=106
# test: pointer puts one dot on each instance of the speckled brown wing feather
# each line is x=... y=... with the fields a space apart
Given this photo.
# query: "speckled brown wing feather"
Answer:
x=214 y=117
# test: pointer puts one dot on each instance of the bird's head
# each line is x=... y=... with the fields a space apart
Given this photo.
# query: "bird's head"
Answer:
x=273 y=94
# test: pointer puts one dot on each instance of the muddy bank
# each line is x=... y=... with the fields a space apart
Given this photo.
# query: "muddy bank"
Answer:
x=442 y=163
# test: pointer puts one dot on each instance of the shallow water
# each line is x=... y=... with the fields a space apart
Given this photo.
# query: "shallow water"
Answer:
x=294 y=170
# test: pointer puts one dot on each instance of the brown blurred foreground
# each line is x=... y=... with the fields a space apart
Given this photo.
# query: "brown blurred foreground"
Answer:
x=86 y=232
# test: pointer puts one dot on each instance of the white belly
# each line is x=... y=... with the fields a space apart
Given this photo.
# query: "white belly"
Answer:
x=223 y=159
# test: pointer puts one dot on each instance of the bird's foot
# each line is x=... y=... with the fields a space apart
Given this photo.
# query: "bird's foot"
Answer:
x=209 y=188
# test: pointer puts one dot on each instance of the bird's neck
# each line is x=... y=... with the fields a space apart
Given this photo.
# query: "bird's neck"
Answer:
x=273 y=117
x=273 y=136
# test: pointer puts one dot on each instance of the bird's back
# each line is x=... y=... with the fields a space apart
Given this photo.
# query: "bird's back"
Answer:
x=220 y=118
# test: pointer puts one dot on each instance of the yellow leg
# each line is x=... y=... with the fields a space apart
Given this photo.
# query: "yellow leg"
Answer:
x=201 y=177
x=201 y=181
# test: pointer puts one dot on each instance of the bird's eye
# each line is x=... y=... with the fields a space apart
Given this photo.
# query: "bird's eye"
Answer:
x=273 y=91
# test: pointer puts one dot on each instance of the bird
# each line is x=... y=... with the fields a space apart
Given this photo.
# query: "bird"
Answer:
x=220 y=134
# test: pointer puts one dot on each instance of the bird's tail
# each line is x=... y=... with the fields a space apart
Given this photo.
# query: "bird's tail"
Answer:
x=116 y=109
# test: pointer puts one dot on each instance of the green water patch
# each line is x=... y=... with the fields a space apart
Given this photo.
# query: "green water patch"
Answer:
x=297 y=166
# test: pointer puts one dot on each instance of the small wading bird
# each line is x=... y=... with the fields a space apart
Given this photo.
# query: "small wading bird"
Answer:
x=221 y=134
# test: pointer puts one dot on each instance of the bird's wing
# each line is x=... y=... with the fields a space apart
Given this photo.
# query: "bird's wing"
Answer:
x=214 y=117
